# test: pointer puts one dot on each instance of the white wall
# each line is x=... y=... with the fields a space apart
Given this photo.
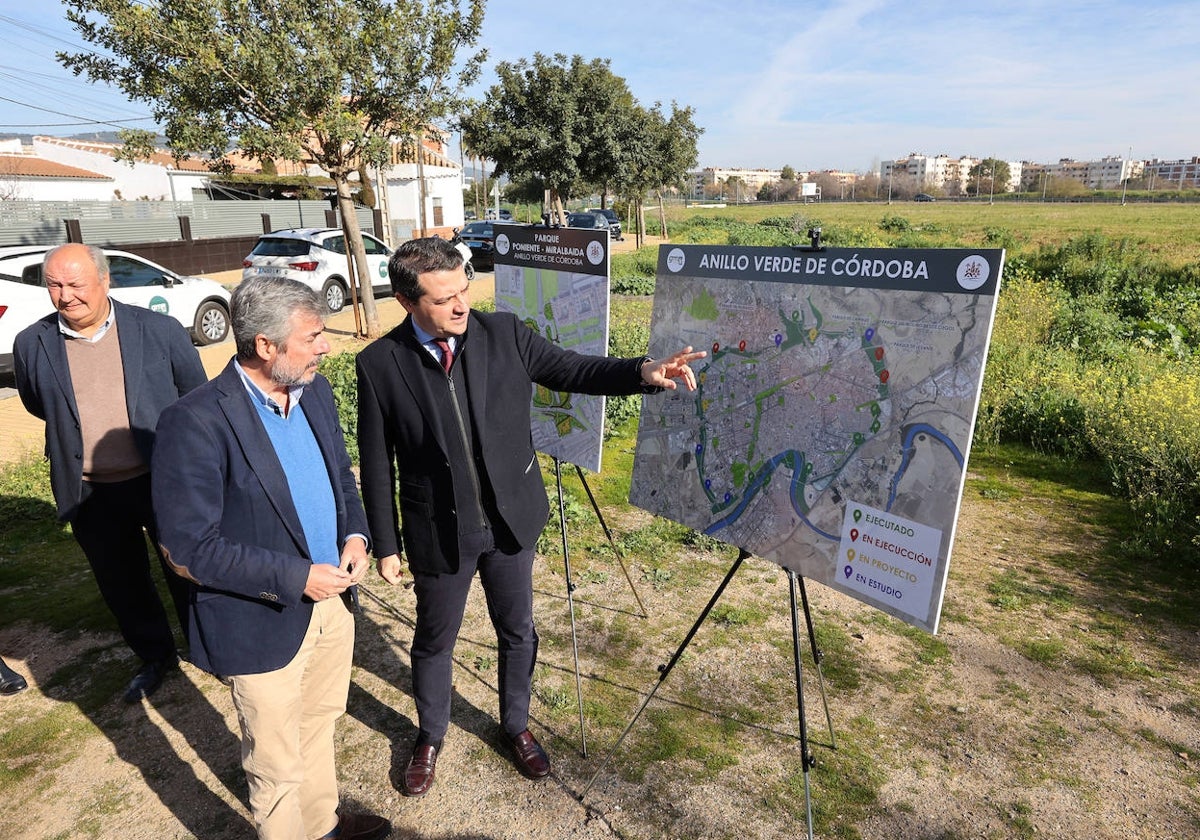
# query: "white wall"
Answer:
x=441 y=182
x=59 y=189
x=134 y=182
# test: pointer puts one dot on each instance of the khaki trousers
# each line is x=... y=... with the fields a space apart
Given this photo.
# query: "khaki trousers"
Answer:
x=287 y=719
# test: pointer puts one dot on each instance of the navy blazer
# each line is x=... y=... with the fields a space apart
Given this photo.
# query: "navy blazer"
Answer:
x=160 y=365
x=227 y=523
x=400 y=436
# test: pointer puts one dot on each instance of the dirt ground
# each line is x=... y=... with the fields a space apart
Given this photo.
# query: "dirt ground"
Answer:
x=992 y=745
x=984 y=743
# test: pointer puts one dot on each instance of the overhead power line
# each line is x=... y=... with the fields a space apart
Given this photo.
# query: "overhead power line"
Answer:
x=84 y=120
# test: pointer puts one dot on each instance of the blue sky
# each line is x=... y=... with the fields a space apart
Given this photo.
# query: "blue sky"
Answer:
x=808 y=84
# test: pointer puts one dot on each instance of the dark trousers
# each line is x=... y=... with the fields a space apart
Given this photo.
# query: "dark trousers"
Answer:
x=507 y=581
x=111 y=527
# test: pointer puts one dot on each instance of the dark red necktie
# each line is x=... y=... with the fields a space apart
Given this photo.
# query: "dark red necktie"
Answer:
x=447 y=353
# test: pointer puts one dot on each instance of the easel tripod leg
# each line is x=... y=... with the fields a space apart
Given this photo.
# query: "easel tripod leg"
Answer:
x=562 y=522
x=611 y=541
x=806 y=757
x=664 y=670
x=817 y=657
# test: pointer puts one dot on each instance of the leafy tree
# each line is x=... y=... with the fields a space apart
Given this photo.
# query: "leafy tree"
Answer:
x=989 y=176
x=331 y=83
x=657 y=152
x=1059 y=186
x=787 y=174
x=552 y=119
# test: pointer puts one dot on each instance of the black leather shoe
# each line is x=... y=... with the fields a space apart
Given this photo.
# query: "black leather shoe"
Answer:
x=361 y=827
x=148 y=679
x=10 y=681
x=418 y=775
x=530 y=758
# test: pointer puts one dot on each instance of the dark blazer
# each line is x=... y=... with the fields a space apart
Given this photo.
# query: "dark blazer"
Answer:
x=226 y=522
x=399 y=433
x=160 y=365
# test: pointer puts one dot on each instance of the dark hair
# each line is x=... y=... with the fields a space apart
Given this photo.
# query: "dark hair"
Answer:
x=264 y=306
x=417 y=257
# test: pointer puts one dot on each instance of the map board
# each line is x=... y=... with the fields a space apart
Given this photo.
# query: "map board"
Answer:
x=556 y=281
x=831 y=425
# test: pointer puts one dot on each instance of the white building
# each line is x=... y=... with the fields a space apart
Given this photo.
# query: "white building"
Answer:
x=1172 y=174
x=27 y=177
x=59 y=169
x=160 y=178
x=1108 y=173
x=939 y=172
x=703 y=183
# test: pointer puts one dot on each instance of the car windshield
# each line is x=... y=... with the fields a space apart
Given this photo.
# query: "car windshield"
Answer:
x=280 y=247
x=581 y=220
x=478 y=229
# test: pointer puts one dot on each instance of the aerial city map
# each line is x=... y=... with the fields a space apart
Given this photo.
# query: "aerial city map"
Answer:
x=556 y=281
x=833 y=418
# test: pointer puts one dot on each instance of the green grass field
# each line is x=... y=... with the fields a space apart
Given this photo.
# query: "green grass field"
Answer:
x=1171 y=231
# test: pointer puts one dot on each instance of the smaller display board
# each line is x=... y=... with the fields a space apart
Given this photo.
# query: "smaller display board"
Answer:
x=556 y=281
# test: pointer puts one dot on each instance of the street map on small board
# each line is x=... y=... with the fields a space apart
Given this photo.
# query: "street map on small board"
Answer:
x=830 y=429
x=556 y=281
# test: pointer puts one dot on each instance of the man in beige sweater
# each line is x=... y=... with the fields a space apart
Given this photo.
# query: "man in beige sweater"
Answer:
x=99 y=373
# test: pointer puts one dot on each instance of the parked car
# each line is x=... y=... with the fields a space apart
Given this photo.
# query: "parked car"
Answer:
x=614 y=221
x=923 y=197
x=317 y=258
x=505 y=214
x=201 y=305
x=587 y=220
x=480 y=237
x=20 y=306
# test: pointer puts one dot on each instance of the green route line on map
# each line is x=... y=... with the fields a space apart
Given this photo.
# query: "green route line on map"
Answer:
x=755 y=476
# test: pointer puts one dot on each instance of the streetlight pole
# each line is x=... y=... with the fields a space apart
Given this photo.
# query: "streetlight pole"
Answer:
x=1125 y=175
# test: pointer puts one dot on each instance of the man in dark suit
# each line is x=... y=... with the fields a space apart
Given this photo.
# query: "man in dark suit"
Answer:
x=443 y=405
x=100 y=373
x=259 y=511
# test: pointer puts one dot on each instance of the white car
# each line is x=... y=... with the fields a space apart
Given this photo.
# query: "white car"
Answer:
x=201 y=305
x=20 y=306
x=317 y=258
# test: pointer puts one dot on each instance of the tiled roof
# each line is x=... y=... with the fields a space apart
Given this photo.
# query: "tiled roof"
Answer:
x=27 y=166
x=163 y=159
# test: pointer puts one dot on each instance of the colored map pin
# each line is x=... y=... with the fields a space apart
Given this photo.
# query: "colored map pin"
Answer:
x=853 y=534
x=850 y=554
x=849 y=570
x=857 y=515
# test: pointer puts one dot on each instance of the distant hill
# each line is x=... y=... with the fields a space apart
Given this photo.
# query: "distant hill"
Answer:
x=86 y=137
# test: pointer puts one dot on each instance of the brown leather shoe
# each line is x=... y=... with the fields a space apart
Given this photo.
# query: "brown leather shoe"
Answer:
x=530 y=758
x=361 y=827
x=418 y=775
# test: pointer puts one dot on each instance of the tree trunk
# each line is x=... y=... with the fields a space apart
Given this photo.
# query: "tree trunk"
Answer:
x=557 y=216
x=662 y=214
x=360 y=283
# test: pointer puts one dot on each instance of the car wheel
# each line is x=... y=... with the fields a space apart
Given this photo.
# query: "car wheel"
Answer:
x=334 y=294
x=211 y=324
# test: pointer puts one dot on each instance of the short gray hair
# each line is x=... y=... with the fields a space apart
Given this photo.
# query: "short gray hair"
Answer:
x=265 y=306
x=95 y=255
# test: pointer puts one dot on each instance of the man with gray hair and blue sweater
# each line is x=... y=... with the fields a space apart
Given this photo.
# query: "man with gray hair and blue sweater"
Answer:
x=259 y=511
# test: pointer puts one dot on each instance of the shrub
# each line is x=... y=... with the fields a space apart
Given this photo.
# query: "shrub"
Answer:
x=633 y=272
x=338 y=368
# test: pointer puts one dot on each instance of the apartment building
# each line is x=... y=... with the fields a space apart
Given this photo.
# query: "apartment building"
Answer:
x=1172 y=174
x=704 y=183
x=942 y=173
x=1108 y=173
